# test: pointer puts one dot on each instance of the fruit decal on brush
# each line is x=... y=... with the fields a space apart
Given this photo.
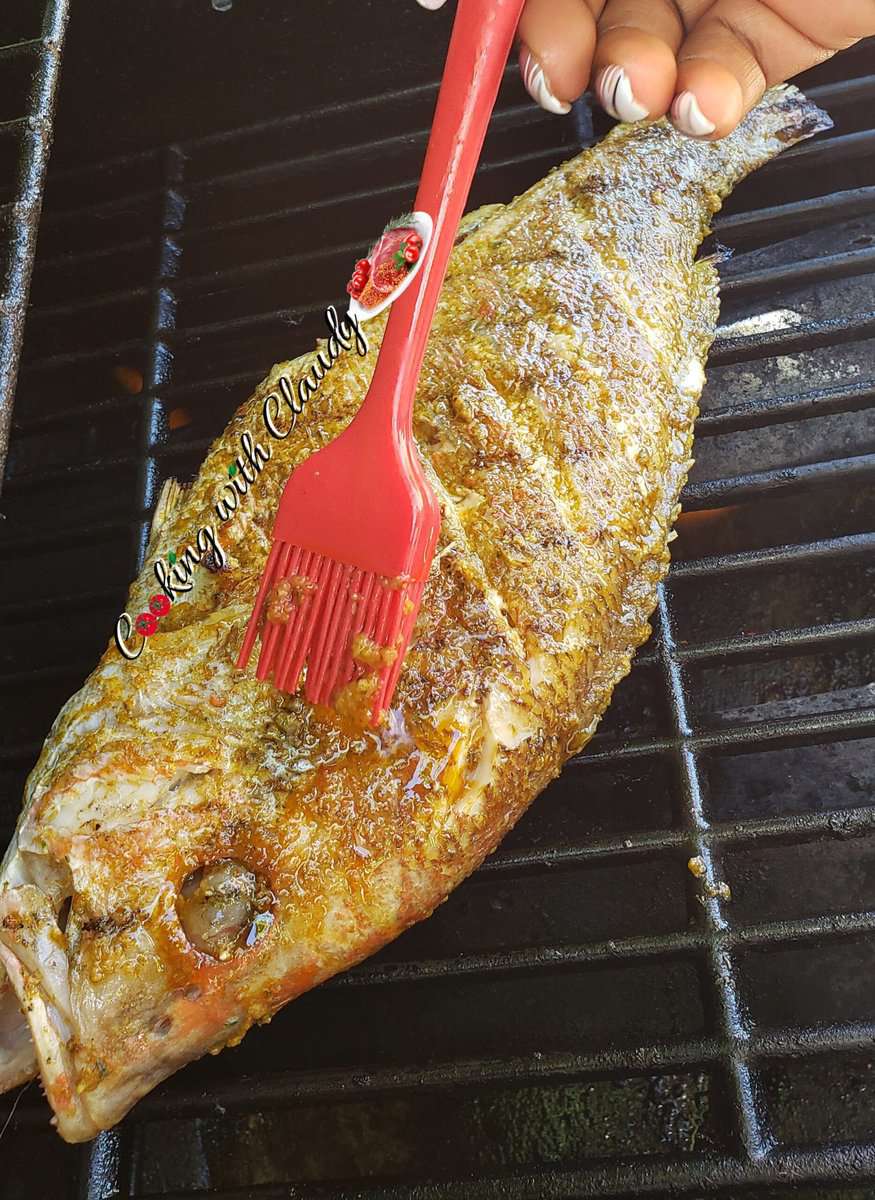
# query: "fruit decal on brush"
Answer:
x=390 y=266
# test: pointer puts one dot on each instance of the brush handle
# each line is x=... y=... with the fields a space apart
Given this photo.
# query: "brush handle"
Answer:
x=482 y=34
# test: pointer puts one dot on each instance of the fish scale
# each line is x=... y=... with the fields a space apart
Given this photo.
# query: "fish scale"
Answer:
x=556 y=433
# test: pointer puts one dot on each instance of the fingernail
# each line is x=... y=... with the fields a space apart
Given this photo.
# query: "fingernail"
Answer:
x=689 y=118
x=614 y=91
x=536 y=84
x=432 y=4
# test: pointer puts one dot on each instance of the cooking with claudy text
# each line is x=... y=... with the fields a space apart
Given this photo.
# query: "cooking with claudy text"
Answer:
x=280 y=411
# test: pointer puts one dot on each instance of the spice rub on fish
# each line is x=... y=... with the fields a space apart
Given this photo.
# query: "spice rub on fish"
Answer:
x=219 y=847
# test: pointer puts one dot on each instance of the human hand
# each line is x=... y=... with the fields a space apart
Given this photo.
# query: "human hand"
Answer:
x=705 y=62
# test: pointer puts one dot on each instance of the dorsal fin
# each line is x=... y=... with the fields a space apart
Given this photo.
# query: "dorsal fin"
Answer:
x=169 y=500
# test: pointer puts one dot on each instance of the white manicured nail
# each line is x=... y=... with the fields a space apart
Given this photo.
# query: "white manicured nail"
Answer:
x=614 y=91
x=432 y=4
x=689 y=118
x=537 y=86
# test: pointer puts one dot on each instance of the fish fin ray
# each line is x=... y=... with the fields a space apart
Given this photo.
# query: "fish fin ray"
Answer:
x=170 y=499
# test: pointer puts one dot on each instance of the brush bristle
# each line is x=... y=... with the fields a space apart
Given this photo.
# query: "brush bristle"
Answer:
x=342 y=630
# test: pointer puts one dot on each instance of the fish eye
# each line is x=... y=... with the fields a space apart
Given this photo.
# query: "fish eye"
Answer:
x=224 y=908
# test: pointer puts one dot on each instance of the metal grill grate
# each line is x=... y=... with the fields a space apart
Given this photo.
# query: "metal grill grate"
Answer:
x=30 y=52
x=583 y=1017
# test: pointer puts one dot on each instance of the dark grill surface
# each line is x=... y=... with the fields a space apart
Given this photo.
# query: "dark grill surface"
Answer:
x=31 y=35
x=584 y=1017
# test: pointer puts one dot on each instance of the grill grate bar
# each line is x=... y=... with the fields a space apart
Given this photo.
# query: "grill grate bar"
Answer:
x=836 y=266
x=756 y=645
x=833 y=266
x=799 y=554
x=783 y=220
x=73 y=416
x=14 y=126
x=69 y=358
x=37 y=127
x=75 y=535
x=809 y=336
x=770 y=735
x=288 y=1089
x=104 y=1161
x=618 y=952
x=19 y=610
x=789 y=641
x=159 y=355
x=812 y=335
x=378 y=102
x=514 y=115
x=128 y=202
x=805 y=827
x=21 y=49
x=820 y=402
x=552 y=154
x=96 y=408
x=55 y=312
x=644 y=1177
x=712 y=493
x=827 y=152
x=46 y=674
x=801 y=214
x=777 y=221
x=814 y=270
x=190 y=147
x=725 y=994
x=860 y=87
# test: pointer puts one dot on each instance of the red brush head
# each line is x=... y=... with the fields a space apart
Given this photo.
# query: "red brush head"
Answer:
x=349 y=628
x=353 y=542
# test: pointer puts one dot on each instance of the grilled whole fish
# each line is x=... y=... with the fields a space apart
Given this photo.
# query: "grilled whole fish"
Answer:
x=196 y=848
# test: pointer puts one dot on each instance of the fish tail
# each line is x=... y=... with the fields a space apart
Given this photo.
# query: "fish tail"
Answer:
x=787 y=115
x=783 y=117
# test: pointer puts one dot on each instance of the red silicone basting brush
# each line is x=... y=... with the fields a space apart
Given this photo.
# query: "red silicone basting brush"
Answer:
x=358 y=522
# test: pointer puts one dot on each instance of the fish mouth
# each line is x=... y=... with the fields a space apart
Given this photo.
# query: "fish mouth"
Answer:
x=34 y=902
x=71 y=1113
x=17 y=1057
x=33 y=953
x=91 y=1081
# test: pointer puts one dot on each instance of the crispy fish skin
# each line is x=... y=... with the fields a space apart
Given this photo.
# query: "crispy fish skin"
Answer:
x=555 y=413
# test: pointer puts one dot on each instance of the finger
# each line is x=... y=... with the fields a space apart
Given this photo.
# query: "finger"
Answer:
x=834 y=26
x=634 y=65
x=558 y=39
x=737 y=50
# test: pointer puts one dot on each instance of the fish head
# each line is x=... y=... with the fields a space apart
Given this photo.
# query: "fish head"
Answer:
x=165 y=891
x=139 y=895
x=134 y=915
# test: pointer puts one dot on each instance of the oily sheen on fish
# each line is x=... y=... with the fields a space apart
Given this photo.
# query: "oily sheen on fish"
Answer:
x=196 y=848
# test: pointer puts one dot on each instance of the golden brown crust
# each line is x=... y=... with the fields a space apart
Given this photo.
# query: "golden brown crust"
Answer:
x=555 y=414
